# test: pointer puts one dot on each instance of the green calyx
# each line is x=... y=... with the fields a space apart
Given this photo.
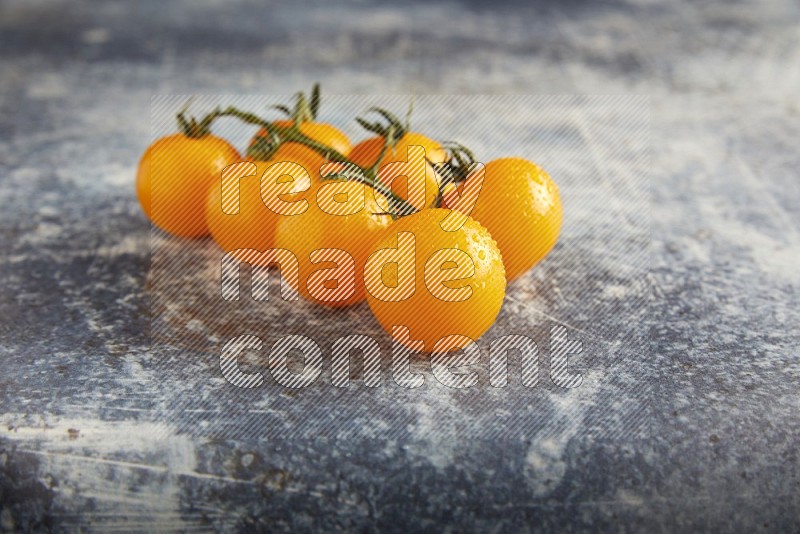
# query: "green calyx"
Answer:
x=392 y=130
x=458 y=165
x=265 y=147
x=305 y=109
x=192 y=128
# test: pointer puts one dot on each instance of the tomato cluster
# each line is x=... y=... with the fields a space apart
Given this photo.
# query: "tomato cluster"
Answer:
x=420 y=230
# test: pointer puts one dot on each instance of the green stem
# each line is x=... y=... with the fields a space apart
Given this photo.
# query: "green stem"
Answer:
x=377 y=164
x=302 y=110
x=294 y=135
x=191 y=127
x=283 y=133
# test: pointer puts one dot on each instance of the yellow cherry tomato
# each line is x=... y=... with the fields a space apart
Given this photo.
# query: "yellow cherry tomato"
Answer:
x=320 y=132
x=173 y=180
x=365 y=153
x=253 y=224
x=520 y=205
x=396 y=176
x=323 y=133
x=308 y=158
x=331 y=240
x=458 y=279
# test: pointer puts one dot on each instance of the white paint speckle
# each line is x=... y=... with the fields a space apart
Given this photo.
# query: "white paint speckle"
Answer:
x=545 y=466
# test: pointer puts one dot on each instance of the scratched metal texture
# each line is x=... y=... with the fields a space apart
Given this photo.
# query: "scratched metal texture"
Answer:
x=687 y=418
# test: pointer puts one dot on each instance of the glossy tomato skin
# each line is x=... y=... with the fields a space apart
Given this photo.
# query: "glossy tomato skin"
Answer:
x=521 y=206
x=428 y=317
x=365 y=153
x=399 y=184
x=308 y=158
x=173 y=180
x=320 y=132
x=253 y=227
x=317 y=229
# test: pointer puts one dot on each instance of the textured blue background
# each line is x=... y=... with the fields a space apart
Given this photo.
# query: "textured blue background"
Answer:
x=715 y=350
